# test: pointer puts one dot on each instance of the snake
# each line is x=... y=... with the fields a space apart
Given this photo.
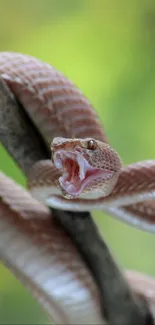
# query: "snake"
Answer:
x=84 y=173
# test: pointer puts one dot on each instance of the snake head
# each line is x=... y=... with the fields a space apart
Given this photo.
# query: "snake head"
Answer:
x=89 y=168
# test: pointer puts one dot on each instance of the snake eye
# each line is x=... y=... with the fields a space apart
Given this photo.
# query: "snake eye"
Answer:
x=91 y=145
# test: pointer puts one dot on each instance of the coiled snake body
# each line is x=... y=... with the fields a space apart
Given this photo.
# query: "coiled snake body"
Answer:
x=86 y=168
x=85 y=172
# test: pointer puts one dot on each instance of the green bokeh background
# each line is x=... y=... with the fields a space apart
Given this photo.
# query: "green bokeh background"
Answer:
x=108 y=49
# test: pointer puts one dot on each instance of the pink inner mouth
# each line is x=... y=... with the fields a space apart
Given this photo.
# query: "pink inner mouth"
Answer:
x=77 y=173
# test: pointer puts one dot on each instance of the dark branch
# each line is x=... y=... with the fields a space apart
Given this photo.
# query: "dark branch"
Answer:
x=17 y=133
x=119 y=305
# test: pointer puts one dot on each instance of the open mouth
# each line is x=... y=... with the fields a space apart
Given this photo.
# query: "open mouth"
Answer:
x=76 y=172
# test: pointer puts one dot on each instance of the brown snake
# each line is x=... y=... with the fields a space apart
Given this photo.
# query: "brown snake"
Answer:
x=58 y=108
x=87 y=173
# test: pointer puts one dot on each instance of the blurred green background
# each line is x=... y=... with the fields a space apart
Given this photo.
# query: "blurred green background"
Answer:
x=108 y=49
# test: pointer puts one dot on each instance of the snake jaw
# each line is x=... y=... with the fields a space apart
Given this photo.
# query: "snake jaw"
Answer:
x=77 y=173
